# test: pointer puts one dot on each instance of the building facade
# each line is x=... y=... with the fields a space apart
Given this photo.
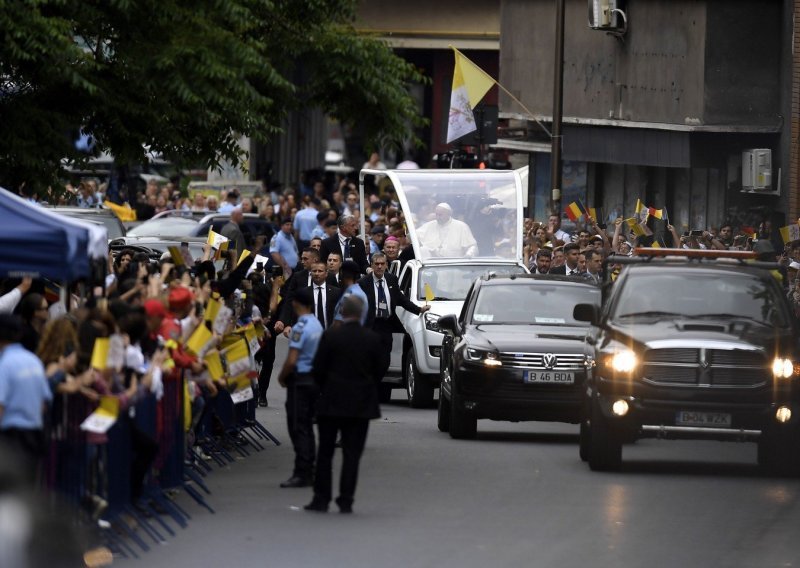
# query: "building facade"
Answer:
x=662 y=110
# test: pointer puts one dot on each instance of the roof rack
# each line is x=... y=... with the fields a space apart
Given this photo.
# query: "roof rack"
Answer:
x=645 y=255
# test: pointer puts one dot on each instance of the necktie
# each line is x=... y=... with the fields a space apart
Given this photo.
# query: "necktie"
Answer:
x=383 y=307
x=347 y=249
x=320 y=307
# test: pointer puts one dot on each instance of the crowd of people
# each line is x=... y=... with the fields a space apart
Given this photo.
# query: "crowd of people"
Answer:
x=178 y=325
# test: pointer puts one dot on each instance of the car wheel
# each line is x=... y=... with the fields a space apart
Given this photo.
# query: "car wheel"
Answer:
x=443 y=417
x=605 y=443
x=463 y=424
x=418 y=387
x=583 y=441
x=777 y=452
x=384 y=393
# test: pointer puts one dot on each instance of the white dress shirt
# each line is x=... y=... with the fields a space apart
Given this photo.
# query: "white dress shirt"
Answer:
x=386 y=293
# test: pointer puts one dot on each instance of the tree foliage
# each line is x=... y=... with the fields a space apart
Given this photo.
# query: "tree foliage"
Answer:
x=185 y=78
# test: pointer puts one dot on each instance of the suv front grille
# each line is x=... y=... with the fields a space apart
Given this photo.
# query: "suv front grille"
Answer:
x=564 y=361
x=706 y=367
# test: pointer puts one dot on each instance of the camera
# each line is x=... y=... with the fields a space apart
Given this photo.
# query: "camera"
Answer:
x=259 y=267
x=277 y=270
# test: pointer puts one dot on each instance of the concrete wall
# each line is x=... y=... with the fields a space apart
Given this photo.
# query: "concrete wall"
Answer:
x=681 y=62
x=425 y=17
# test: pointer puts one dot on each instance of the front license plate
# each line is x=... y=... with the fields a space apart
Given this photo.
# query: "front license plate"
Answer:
x=548 y=377
x=709 y=419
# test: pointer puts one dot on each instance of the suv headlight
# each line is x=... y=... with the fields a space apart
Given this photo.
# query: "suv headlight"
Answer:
x=432 y=322
x=782 y=368
x=489 y=358
x=621 y=363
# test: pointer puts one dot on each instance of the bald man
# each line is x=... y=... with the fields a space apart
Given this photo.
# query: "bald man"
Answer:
x=445 y=236
x=232 y=230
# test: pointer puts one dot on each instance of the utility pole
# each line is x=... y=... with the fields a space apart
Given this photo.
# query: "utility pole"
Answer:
x=558 y=111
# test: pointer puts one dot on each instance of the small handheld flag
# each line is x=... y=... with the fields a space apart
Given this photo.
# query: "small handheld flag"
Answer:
x=429 y=296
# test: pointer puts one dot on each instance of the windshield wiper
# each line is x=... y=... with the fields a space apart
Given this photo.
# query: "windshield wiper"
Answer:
x=650 y=314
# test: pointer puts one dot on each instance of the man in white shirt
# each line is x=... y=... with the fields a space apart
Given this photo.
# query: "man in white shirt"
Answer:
x=447 y=237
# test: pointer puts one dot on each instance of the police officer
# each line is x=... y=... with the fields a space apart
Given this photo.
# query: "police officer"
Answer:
x=302 y=392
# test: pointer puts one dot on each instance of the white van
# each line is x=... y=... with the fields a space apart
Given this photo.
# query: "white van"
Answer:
x=487 y=206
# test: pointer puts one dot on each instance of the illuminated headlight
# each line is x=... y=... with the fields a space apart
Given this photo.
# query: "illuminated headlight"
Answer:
x=489 y=358
x=782 y=368
x=622 y=361
x=432 y=322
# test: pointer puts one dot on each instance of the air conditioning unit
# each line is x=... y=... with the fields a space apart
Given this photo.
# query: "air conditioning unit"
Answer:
x=607 y=14
x=757 y=169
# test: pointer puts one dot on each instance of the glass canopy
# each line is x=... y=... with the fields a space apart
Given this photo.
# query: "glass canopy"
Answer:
x=475 y=214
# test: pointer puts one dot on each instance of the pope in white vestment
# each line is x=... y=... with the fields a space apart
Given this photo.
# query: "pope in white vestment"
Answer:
x=446 y=237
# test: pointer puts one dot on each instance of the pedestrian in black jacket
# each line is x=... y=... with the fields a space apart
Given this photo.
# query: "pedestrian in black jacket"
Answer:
x=347 y=370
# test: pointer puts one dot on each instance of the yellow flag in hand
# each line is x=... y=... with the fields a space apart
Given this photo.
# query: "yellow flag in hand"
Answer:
x=200 y=339
x=100 y=353
x=214 y=365
x=429 y=296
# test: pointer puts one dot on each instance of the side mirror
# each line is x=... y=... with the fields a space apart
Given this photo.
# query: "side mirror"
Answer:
x=449 y=323
x=587 y=312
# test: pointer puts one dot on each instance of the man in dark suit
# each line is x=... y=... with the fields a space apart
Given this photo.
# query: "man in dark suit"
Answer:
x=347 y=243
x=326 y=296
x=384 y=296
x=347 y=372
x=299 y=279
x=570 y=267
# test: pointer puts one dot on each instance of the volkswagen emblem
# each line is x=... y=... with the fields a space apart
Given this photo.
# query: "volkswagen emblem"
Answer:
x=549 y=360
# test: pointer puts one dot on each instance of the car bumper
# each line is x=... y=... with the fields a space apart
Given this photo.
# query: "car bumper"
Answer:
x=501 y=394
x=729 y=413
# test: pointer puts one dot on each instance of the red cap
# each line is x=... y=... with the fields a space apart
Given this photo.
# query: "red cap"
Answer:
x=180 y=297
x=155 y=308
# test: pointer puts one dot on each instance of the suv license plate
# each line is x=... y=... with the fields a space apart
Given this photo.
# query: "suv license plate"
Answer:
x=708 y=419
x=548 y=377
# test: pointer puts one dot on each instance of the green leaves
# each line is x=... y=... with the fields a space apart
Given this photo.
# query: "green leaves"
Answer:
x=184 y=78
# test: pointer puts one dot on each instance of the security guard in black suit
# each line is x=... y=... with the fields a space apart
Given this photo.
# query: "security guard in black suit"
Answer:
x=384 y=296
x=347 y=371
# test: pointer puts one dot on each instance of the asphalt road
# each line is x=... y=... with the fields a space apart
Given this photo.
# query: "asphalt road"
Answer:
x=518 y=495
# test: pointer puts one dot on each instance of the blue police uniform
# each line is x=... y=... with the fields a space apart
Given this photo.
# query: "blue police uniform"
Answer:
x=352 y=290
x=286 y=246
x=301 y=395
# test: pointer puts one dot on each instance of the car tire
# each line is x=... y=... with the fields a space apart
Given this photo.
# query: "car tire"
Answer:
x=384 y=393
x=418 y=386
x=583 y=441
x=463 y=424
x=443 y=416
x=604 y=443
x=777 y=452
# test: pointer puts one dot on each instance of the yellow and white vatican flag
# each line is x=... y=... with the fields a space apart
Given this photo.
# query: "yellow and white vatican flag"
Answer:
x=470 y=84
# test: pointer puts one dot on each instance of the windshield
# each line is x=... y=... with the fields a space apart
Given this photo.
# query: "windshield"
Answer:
x=453 y=282
x=723 y=295
x=461 y=214
x=532 y=303
x=164 y=226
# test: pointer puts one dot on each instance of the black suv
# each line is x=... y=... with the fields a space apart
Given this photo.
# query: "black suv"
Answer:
x=693 y=345
x=515 y=353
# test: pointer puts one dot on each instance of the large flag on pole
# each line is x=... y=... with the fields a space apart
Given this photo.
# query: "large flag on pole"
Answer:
x=470 y=84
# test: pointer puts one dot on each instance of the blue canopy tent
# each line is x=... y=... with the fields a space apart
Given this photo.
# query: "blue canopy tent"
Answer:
x=39 y=243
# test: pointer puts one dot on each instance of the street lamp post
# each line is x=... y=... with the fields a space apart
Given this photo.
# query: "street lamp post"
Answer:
x=558 y=103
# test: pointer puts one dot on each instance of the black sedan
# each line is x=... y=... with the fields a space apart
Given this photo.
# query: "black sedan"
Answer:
x=515 y=353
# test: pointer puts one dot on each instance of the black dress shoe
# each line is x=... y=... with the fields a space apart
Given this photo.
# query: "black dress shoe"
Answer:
x=262 y=402
x=296 y=481
x=317 y=506
x=344 y=506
